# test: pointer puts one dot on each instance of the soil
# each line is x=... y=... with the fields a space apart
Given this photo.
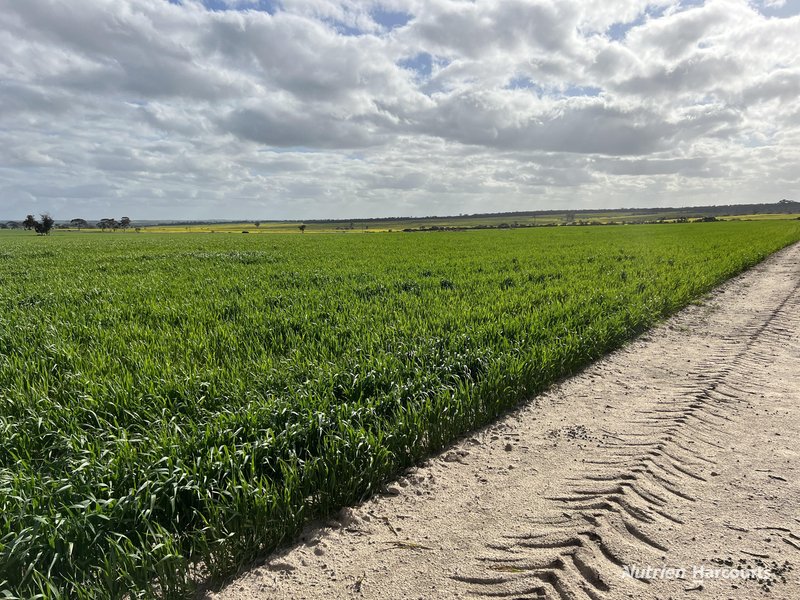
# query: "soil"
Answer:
x=680 y=451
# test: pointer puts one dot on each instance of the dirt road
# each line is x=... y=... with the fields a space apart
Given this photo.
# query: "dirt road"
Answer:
x=681 y=451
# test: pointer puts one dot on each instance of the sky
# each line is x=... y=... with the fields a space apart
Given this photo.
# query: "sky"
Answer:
x=308 y=109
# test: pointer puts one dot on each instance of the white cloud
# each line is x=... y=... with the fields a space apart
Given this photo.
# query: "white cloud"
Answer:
x=312 y=108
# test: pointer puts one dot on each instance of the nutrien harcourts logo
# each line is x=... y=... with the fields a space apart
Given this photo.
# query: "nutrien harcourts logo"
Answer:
x=695 y=572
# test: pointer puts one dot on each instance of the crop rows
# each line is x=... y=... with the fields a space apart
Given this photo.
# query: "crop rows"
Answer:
x=173 y=406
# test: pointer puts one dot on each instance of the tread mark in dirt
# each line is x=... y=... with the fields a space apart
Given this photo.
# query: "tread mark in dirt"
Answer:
x=630 y=489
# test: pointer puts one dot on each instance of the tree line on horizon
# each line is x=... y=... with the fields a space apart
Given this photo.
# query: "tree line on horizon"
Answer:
x=45 y=223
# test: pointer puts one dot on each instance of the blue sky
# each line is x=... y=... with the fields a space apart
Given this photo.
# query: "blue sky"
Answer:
x=789 y=8
x=343 y=108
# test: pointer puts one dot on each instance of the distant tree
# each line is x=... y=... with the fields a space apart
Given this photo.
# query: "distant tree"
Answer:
x=14 y=224
x=78 y=223
x=108 y=224
x=3 y=226
x=30 y=222
x=125 y=222
x=302 y=228
x=44 y=226
x=257 y=224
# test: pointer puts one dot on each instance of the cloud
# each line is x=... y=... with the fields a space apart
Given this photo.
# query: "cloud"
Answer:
x=326 y=108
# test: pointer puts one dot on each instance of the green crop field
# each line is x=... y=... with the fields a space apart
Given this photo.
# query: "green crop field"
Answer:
x=173 y=406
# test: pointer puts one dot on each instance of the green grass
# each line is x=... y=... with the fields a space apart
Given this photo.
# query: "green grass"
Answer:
x=171 y=401
x=357 y=226
x=388 y=225
x=396 y=225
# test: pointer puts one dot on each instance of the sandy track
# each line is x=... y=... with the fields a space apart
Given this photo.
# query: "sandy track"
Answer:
x=681 y=450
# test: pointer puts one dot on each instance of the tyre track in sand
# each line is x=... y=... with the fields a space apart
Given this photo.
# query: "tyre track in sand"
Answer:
x=612 y=515
x=680 y=450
